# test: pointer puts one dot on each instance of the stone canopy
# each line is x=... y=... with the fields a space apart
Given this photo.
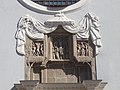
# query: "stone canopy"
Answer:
x=87 y=27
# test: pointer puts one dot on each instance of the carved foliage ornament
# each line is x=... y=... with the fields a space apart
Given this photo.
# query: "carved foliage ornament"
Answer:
x=87 y=27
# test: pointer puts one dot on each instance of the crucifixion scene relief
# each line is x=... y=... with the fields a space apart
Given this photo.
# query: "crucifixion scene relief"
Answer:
x=60 y=48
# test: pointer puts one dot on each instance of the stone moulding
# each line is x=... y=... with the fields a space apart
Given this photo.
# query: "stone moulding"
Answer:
x=49 y=10
x=35 y=85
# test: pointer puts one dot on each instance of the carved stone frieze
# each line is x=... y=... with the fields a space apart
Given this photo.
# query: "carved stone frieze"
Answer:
x=37 y=48
x=84 y=49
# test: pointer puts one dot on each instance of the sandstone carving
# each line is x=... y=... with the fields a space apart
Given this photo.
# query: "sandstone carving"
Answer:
x=37 y=48
x=59 y=54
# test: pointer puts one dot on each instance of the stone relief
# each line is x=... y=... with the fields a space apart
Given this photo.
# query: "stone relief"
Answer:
x=60 y=49
x=83 y=49
x=37 y=48
x=88 y=26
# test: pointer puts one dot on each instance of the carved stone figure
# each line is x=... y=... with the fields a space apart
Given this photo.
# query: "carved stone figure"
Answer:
x=78 y=49
x=61 y=53
x=41 y=49
x=82 y=53
x=37 y=49
x=55 y=51
x=83 y=49
x=90 y=52
x=87 y=49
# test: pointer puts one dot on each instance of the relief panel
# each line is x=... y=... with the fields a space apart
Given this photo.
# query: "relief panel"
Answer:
x=60 y=47
x=84 y=48
x=37 y=48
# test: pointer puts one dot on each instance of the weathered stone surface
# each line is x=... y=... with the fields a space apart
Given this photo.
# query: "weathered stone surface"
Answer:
x=35 y=85
x=61 y=60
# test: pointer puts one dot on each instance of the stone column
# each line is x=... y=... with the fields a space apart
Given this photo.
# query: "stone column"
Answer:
x=46 y=46
x=50 y=48
x=31 y=74
x=93 y=69
x=46 y=50
x=74 y=45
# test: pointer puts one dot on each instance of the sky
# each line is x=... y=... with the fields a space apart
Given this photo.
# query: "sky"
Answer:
x=12 y=65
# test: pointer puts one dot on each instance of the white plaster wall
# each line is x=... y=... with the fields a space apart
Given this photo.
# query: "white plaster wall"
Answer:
x=12 y=65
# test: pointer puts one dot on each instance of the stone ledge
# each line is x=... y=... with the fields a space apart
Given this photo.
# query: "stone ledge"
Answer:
x=35 y=85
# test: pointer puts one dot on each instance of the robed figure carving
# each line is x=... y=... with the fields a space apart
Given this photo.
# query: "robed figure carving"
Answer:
x=60 y=49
